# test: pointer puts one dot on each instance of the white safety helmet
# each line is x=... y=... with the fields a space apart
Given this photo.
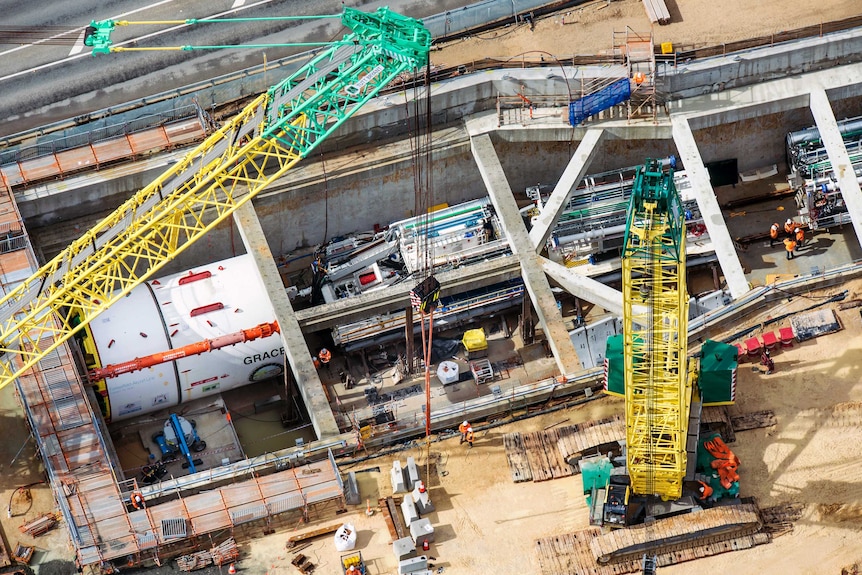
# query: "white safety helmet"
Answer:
x=466 y=424
x=796 y=231
x=789 y=221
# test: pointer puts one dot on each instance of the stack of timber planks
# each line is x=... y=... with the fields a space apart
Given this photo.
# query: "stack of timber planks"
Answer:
x=549 y=454
x=657 y=11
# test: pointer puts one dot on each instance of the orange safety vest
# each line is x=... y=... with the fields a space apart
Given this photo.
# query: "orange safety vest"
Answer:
x=469 y=435
x=707 y=490
x=463 y=429
x=137 y=500
x=773 y=232
x=325 y=355
x=789 y=228
x=800 y=235
x=789 y=245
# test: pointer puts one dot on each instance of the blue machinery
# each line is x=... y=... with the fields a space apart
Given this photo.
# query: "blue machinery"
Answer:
x=179 y=436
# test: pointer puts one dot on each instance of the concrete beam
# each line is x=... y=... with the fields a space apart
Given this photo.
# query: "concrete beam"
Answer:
x=295 y=349
x=725 y=250
x=842 y=168
x=584 y=287
x=572 y=176
x=535 y=281
x=349 y=309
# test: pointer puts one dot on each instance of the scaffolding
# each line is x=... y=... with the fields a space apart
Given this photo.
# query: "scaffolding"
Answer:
x=636 y=52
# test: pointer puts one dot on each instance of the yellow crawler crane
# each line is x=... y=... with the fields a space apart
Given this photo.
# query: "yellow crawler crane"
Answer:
x=256 y=147
x=658 y=384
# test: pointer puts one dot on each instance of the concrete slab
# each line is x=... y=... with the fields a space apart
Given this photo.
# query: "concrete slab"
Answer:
x=584 y=287
x=709 y=208
x=535 y=281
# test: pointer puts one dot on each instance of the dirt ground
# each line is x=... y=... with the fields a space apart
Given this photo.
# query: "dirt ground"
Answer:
x=589 y=29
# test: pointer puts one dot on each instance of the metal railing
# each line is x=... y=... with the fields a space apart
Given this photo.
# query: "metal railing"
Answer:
x=97 y=134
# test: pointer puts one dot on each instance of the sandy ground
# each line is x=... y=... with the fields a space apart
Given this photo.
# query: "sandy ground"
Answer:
x=590 y=28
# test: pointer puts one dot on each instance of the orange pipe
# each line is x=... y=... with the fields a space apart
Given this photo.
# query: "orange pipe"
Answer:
x=257 y=332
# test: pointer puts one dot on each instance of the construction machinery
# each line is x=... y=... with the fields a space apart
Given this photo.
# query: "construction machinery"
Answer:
x=180 y=436
x=649 y=365
x=353 y=564
x=818 y=195
x=256 y=147
x=261 y=143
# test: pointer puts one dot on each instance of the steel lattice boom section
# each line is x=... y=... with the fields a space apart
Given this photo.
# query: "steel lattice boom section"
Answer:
x=657 y=386
x=228 y=169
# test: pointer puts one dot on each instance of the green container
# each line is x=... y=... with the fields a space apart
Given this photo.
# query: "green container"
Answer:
x=717 y=379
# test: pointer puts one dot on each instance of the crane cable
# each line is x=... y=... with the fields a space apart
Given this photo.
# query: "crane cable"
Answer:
x=424 y=200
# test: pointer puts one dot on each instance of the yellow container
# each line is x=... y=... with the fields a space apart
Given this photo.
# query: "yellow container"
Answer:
x=667 y=47
x=474 y=340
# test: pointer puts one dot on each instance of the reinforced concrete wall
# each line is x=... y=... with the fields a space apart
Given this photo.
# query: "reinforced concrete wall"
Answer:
x=760 y=64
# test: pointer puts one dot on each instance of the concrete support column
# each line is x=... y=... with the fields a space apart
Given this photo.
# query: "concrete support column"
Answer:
x=295 y=349
x=586 y=288
x=821 y=109
x=709 y=208
x=572 y=176
x=535 y=281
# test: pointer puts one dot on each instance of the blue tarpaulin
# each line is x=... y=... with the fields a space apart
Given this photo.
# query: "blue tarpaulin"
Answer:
x=618 y=92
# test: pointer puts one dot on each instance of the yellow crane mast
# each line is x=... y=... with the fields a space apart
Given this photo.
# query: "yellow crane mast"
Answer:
x=658 y=381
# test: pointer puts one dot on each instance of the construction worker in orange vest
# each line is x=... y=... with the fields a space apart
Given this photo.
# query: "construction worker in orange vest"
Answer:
x=789 y=245
x=800 y=237
x=773 y=233
x=325 y=356
x=463 y=430
x=789 y=226
x=469 y=436
x=704 y=491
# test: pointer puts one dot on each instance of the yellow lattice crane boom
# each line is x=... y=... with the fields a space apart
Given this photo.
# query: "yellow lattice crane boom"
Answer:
x=658 y=378
x=256 y=147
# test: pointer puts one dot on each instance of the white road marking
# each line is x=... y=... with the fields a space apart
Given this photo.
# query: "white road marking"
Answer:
x=237 y=3
x=132 y=41
x=79 y=45
x=82 y=28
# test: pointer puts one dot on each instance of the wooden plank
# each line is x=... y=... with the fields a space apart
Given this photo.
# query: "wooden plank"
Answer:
x=536 y=456
x=387 y=517
x=559 y=467
x=294 y=539
x=516 y=456
x=657 y=11
x=754 y=420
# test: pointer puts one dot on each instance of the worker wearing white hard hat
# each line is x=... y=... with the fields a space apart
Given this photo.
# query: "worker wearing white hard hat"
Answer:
x=463 y=430
x=788 y=227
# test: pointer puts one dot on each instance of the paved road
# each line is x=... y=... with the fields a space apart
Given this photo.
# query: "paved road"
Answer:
x=44 y=83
